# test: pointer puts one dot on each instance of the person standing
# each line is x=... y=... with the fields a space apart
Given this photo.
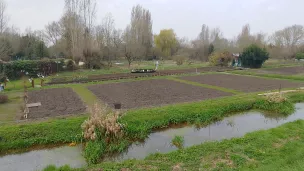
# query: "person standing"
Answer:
x=156 y=64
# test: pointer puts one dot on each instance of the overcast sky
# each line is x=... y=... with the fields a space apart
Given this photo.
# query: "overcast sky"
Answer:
x=184 y=16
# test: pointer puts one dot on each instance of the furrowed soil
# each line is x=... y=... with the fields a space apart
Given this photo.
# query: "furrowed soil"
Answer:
x=152 y=93
x=242 y=83
x=55 y=102
x=288 y=70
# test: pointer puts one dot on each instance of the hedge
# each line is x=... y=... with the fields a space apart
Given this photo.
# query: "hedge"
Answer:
x=13 y=69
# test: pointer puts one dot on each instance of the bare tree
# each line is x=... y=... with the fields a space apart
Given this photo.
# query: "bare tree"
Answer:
x=74 y=28
x=132 y=48
x=53 y=32
x=3 y=16
x=286 y=41
x=108 y=30
x=141 y=29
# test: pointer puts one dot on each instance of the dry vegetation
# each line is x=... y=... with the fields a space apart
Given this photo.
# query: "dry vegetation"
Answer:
x=104 y=121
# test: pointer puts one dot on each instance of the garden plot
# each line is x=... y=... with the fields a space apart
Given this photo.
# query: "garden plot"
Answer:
x=152 y=93
x=54 y=102
x=287 y=70
x=242 y=83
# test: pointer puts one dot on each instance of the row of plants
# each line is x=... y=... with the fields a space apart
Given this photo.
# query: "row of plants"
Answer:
x=111 y=133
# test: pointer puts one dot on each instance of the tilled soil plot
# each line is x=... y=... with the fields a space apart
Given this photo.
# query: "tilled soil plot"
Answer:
x=288 y=70
x=55 y=102
x=152 y=93
x=242 y=83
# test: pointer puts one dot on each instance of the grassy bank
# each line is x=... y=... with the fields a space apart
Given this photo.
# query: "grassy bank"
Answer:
x=139 y=123
x=277 y=149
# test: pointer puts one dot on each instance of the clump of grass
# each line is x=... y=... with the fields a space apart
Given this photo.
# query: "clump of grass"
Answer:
x=178 y=141
x=54 y=168
x=93 y=151
x=276 y=98
x=277 y=103
x=101 y=130
x=103 y=120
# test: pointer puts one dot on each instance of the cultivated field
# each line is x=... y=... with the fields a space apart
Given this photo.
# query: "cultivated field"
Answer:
x=287 y=70
x=151 y=93
x=242 y=83
x=55 y=102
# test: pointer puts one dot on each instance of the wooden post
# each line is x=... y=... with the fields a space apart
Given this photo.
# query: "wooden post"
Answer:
x=42 y=82
x=33 y=83
x=5 y=81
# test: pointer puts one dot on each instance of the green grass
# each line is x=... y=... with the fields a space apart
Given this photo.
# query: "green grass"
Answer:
x=86 y=95
x=55 y=131
x=206 y=86
x=178 y=141
x=10 y=110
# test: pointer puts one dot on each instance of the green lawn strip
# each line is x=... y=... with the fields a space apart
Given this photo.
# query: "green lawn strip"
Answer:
x=272 y=76
x=26 y=135
x=9 y=110
x=206 y=86
x=275 y=149
x=138 y=123
x=86 y=95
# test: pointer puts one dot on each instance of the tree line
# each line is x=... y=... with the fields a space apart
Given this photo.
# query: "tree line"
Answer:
x=78 y=36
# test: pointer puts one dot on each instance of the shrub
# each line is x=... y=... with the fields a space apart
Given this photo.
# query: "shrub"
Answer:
x=299 y=56
x=103 y=121
x=33 y=67
x=3 y=98
x=254 y=56
x=218 y=58
x=179 y=59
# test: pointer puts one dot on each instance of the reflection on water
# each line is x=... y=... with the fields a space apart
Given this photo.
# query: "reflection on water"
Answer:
x=234 y=126
x=38 y=160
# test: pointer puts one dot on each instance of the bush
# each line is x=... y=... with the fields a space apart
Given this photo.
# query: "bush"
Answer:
x=254 y=56
x=179 y=59
x=3 y=98
x=218 y=58
x=33 y=67
x=299 y=56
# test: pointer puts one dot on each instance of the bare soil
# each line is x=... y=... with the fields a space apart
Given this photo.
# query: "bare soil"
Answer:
x=55 y=102
x=106 y=77
x=242 y=83
x=288 y=70
x=152 y=93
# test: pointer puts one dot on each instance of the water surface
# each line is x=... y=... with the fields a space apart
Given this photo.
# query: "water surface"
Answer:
x=38 y=160
x=230 y=127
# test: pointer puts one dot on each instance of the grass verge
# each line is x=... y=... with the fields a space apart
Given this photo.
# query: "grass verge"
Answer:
x=205 y=86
